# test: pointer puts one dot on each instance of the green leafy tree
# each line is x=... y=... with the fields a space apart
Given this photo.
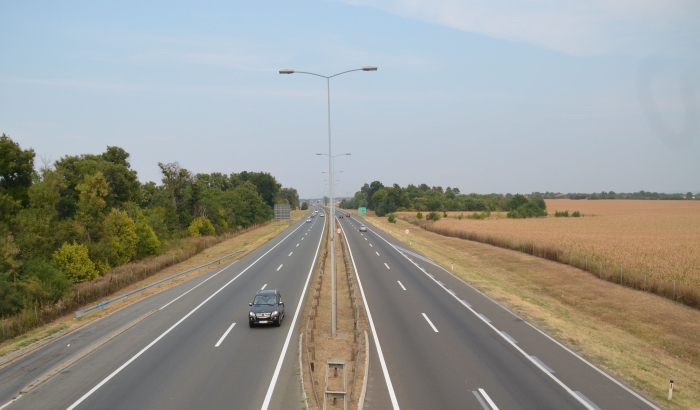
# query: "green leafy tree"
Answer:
x=44 y=282
x=291 y=196
x=120 y=237
x=419 y=215
x=201 y=226
x=37 y=225
x=265 y=184
x=74 y=261
x=392 y=218
x=433 y=216
x=9 y=263
x=304 y=206
x=91 y=206
x=148 y=240
x=16 y=169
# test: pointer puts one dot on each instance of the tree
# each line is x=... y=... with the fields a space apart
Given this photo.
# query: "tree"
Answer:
x=16 y=169
x=304 y=206
x=266 y=185
x=201 y=227
x=419 y=215
x=433 y=216
x=91 y=205
x=74 y=261
x=120 y=237
x=44 y=281
x=9 y=265
x=689 y=195
x=148 y=240
x=392 y=218
x=291 y=196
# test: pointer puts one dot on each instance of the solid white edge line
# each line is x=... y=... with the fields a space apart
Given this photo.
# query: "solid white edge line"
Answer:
x=224 y=335
x=387 y=266
x=279 y=267
x=382 y=362
x=19 y=396
x=264 y=286
x=609 y=377
x=198 y=285
x=401 y=284
x=114 y=373
x=292 y=328
x=498 y=332
x=488 y=399
x=430 y=323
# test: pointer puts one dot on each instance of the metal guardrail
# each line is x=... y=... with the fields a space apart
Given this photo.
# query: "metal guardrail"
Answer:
x=81 y=313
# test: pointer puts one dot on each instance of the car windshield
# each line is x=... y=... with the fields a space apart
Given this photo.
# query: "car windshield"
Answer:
x=264 y=300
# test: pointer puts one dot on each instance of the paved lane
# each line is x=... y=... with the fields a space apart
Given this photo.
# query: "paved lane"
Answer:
x=178 y=356
x=444 y=343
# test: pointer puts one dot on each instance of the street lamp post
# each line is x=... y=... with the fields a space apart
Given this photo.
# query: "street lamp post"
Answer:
x=330 y=183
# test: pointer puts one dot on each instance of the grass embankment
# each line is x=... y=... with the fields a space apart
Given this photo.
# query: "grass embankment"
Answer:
x=319 y=345
x=250 y=241
x=644 y=339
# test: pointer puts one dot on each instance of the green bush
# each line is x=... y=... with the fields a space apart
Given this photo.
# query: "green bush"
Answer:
x=201 y=226
x=121 y=237
x=419 y=215
x=528 y=210
x=433 y=216
x=392 y=218
x=576 y=214
x=563 y=214
x=480 y=215
x=148 y=241
x=74 y=261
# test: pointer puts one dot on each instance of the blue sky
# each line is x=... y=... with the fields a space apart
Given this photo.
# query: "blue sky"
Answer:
x=488 y=96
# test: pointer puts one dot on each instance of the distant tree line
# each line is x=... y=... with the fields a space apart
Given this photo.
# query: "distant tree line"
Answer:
x=615 y=195
x=77 y=218
x=387 y=199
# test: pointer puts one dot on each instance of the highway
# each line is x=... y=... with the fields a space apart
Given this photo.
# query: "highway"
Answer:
x=441 y=344
x=186 y=347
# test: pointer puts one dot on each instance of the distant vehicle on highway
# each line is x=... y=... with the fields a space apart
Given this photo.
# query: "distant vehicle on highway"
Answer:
x=363 y=228
x=308 y=220
x=322 y=215
x=340 y=216
x=348 y=215
x=267 y=308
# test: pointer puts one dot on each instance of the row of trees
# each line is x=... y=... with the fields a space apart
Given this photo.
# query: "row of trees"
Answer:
x=75 y=219
x=615 y=195
x=387 y=199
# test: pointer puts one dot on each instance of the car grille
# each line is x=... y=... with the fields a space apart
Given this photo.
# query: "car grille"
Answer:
x=263 y=315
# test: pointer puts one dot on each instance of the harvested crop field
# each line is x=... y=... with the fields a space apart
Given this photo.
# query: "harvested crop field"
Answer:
x=651 y=242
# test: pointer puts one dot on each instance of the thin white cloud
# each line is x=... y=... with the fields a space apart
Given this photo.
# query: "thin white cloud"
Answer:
x=590 y=28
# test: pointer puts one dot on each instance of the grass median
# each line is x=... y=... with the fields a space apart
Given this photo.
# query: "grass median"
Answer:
x=643 y=339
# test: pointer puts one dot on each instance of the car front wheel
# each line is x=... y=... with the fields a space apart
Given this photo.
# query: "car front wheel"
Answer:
x=251 y=324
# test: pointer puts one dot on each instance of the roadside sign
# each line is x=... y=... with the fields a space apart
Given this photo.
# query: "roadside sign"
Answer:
x=406 y=231
x=338 y=230
x=362 y=210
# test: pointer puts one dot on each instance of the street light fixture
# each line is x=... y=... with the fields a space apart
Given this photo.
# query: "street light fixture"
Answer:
x=330 y=187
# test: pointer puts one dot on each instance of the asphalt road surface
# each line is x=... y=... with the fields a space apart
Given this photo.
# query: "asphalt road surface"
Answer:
x=441 y=344
x=193 y=349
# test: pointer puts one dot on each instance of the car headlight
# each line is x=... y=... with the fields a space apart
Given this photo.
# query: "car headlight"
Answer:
x=275 y=313
x=251 y=314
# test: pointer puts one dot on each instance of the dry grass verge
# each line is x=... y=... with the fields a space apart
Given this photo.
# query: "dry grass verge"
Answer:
x=250 y=240
x=319 y=345
x=644 y=339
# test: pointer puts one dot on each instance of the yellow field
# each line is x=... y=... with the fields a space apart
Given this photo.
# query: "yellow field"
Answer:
x=660 y=239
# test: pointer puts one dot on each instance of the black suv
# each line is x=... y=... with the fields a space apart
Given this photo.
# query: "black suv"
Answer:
x=267 y=308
